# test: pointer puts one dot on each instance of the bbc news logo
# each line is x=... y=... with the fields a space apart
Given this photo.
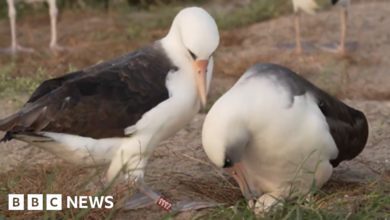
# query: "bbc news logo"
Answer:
x=54 y=202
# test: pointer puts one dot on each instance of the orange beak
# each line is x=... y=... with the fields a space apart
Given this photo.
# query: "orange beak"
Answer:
x=200 y=70
x=239 y=174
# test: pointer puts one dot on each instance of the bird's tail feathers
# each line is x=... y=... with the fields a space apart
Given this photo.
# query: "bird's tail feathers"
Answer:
x=28 y=120
x=10 y=122
x=29 y=137
x=32 y=117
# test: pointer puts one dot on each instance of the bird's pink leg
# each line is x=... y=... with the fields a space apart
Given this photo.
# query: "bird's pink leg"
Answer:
x=298 y=47
x=344 y=14
x=339 y=48
x=53 y=11
x=14 y=44
x=147 y=197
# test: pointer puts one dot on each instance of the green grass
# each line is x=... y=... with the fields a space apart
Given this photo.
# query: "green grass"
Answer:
x=24 y=9
x=375 y=205
x=12 y=87
x=256 y=11
x=163 y=14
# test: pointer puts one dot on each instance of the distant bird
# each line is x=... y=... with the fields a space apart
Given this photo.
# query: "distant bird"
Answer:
x=117 y=112
x=309 y=6
x=15 y=47
x=274 y=127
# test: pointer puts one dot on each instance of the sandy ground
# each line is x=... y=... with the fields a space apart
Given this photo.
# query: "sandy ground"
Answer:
x=362 y=77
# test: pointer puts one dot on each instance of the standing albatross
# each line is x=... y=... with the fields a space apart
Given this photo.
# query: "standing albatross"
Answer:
x=274 y=127
x=15 y=47
x=117 y=112
x=309 y=7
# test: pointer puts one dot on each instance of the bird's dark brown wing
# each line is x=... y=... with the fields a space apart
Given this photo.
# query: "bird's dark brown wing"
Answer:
x=348 y=126
x=97 y=102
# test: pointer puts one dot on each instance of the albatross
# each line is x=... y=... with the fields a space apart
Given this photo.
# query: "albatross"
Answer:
x=278 y=135
x=309 y=7
x=15 y=47
x=117 y=112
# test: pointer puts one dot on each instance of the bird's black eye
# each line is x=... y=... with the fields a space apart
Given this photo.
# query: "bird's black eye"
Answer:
x=228 y=163
x=192 y=55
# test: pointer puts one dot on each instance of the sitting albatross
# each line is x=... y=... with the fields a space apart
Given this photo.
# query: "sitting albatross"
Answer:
x=273 y=127
x=117 y=112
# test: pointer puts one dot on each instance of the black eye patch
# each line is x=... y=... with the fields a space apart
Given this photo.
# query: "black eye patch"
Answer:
x=192 y=55
x=228 y=163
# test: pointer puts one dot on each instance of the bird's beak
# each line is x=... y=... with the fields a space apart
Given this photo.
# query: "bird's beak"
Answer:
x=200 y=70
x=240 y=175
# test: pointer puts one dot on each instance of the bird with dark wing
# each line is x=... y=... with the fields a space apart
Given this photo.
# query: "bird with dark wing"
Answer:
x=116 y=113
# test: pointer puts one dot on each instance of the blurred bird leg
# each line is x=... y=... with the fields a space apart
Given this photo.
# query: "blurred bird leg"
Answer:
x=53 y=11
x=297 y=19
x=14 y=44
x=343 y=15
x=147 y=197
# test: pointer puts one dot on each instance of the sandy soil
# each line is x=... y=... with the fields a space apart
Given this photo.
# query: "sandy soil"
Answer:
x=362 y=76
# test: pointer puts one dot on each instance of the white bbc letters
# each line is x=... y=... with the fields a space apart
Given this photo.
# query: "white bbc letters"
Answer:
x=15 y=202
x=53 y=202
x=34 y=202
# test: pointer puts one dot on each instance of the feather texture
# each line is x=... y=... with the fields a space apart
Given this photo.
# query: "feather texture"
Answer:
x=97 y=102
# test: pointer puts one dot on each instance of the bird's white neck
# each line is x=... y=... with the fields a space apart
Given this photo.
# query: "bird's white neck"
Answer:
x=184 y=79
x=175 y=49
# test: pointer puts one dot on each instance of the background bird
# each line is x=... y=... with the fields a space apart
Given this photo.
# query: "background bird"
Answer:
x=310 y=6
x=15 y=47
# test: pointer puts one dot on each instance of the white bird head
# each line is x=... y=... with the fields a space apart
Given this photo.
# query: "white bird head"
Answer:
x=225 y=137
x=196 y=36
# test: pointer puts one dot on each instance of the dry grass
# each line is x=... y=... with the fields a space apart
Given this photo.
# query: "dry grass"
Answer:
x=339 y=199
x=61 y=178
x=352 y=201
x=222 y=192
x=55 y=179
x=96 y=37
